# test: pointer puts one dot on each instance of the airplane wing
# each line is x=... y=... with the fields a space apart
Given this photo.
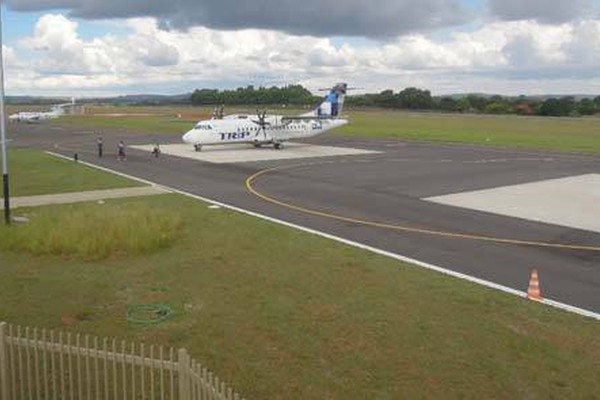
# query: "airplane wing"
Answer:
x=305 y=118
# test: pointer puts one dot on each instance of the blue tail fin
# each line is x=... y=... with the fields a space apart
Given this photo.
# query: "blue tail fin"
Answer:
x=334 y=102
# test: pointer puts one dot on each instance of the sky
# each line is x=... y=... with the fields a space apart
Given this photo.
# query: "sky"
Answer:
x=88 y=48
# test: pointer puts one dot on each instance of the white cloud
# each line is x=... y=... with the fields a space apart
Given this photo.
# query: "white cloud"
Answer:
x=511 y=54
x=61 y=50
x=10 y=57
x=584 y=47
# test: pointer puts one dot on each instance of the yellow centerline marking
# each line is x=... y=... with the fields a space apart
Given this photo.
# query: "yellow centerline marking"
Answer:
x=250 y=187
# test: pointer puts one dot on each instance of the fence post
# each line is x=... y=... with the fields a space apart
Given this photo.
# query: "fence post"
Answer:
x=183 y=367
x=3 y=363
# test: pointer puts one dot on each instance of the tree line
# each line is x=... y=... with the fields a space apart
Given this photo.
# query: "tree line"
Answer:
x=409 y=99
x=419 y=99
x=292 y=94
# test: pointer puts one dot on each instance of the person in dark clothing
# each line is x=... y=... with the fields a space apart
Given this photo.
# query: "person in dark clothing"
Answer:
x=121 y=151
x=100 y=144
x=156 y=150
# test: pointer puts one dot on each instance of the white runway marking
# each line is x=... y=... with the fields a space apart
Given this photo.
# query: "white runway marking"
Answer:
x=87 y=196
x=573 y=202
x=222 y=154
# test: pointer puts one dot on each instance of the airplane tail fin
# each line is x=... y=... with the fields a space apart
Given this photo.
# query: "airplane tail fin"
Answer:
x=333 y=103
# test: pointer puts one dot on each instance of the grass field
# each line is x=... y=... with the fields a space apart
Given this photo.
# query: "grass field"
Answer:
x=280 y=314
x=176 y=120
x=561 y=134
x=92 y=233
x=35 y=173
x=130 y=123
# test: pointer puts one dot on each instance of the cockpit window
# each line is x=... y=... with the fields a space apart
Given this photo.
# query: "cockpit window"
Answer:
x=203 y=126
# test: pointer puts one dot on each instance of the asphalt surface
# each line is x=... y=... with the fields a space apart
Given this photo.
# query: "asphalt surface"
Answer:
x=385 y=188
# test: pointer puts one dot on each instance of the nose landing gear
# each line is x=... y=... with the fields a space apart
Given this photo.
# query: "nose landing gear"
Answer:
x=197 y=147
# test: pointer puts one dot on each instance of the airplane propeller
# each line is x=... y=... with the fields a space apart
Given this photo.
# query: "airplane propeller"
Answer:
x=262 y=123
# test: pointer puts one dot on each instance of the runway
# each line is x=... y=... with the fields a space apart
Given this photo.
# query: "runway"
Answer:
x=389 y=186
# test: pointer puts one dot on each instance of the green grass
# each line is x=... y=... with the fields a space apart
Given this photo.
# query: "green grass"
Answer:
x=135 y=124
x=174 y=120
x=94 y=232
x=280 y=314
x=562 y=134
x=35 y=173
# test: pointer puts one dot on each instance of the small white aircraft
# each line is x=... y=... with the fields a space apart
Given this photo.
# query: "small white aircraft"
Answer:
x=36 y=116
x=25 y=116
x=274 y=129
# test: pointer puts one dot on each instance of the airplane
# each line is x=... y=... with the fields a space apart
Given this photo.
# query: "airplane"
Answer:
x=24 y=116
x=273 y=130
x=37 y=116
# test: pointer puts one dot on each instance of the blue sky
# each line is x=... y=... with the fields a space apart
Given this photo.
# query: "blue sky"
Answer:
x=17 y=25
x=447 y=46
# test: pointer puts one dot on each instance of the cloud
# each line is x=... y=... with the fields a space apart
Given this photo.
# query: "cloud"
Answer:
x=537 y=47
x=10 y=57
x=153 y=52
x=507 y=57
x=62 y=52
x=584 y=48
x=384 y=18
x=544 y=11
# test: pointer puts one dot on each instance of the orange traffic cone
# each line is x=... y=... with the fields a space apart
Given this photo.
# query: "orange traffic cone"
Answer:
x=534 y=292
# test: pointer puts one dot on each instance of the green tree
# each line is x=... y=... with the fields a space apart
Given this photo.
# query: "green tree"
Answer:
x=448 y=104
x=386 y=99
x=551 y=107
x=464 y=105
x=415 y=99
x=498 y=107
x=478 y=103
x=293 y=94
x=567 y=106
x=586 y=107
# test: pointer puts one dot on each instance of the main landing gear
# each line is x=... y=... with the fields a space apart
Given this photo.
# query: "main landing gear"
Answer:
x=278 y=146
x=197 y=147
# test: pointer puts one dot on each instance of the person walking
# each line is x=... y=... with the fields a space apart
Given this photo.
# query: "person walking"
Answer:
x=156 y=150
x=121 y=151
x=100 y=144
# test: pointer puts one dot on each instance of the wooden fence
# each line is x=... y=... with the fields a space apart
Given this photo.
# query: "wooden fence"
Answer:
x=40 y=364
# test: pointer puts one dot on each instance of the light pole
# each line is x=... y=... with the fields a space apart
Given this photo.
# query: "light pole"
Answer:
x=3 y=129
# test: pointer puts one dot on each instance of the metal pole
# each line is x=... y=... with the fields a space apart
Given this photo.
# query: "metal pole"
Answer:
x=3 y=128
x=3 y=363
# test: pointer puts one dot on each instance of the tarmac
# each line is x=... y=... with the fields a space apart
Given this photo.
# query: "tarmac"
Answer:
x=237 y=153
x=571 y=202
x=382 y=198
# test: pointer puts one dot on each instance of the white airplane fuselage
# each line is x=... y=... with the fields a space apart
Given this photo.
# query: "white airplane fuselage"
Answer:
x=245 y=129
x=32 y=117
